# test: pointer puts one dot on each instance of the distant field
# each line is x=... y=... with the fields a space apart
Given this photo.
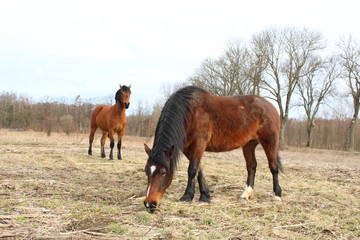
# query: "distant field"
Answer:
x=51 y=189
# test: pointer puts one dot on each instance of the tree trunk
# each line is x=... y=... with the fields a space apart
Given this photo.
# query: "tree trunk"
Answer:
x=351 y=137
x=310 y=129
x=282 y=133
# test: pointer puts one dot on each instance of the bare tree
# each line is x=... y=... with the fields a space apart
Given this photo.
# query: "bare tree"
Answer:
x=315 y=86
x=253 y=70
x=15 y=111
x=143 y=122
x=232 y=73
x=109 y=99
x=7 y=101
x=169 y=88
x=349 y=54
x=286 y=52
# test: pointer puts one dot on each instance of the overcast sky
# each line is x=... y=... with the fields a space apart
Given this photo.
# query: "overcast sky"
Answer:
x=62 y=49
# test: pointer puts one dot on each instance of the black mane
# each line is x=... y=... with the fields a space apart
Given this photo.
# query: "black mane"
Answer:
x=170 y=129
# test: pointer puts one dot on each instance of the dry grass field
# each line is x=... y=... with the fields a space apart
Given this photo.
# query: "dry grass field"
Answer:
x=51 y=189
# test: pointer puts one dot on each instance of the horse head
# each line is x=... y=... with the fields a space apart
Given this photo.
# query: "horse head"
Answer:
x=159 y=176
x=122 y=96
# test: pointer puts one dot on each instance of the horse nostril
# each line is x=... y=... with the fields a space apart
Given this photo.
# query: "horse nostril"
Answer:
x=150 y=207
x=153 y=205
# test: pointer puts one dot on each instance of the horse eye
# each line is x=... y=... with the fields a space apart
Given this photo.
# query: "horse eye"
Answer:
x=163 y=172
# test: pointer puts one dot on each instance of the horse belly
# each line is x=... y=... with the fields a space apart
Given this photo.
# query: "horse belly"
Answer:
x=102 y=123
x=227 y=142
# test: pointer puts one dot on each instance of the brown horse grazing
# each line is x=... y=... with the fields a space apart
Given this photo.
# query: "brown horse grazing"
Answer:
x=194 y=121
x=111 y=120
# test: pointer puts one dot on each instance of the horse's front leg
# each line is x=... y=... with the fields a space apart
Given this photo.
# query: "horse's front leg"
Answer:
x=194 y=153
x=204 y=190
x=119 y=149
x=190 y=188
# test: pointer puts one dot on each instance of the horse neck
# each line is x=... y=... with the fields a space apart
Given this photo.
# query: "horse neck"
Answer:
x=119 y=108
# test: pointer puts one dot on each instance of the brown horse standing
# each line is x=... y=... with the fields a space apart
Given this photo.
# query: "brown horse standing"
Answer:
x=111 y=120
x=194 y=121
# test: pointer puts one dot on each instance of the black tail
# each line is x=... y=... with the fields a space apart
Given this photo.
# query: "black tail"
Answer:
x=279 y=164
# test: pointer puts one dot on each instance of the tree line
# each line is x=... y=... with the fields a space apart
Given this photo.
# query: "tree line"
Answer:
x=20 y=113
x=289 y=66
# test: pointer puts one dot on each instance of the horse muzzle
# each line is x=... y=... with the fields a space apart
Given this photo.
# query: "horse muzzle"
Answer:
x=126 y=105
x=151 y=207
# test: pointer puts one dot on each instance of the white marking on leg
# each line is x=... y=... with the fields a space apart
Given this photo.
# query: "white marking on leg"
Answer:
x=248 y=193
x=278 y=198
x=152 y=169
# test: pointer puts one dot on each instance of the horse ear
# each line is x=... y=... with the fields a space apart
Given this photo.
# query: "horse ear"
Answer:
x=169 y=151
x=130 y=86
x=120 y=86
x=147 y=150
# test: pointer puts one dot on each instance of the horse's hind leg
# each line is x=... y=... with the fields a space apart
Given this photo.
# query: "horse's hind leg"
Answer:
x=251 y=164
x=91 y=139
x=112 y=144
x=270 y=146
x=102 y=141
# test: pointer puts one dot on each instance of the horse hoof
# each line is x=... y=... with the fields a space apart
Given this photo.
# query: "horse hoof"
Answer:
x=277 y=198
x=186 y=198
x=242 y=200
x=248 y=193
x=204 y=199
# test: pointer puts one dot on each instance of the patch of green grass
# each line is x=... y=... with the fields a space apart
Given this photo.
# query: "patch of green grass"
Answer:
x=189 y=236
x=121 y=176
x=118 y=229
x=52 y=203
x=28 y=184
x=221 y=234
x=21 y=219
x=4 y=203
x=143 y=217
x=209 y=221
x=6 y=210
